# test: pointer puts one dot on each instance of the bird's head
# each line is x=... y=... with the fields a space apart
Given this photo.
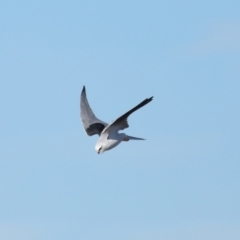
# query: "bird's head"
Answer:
x=99 y=148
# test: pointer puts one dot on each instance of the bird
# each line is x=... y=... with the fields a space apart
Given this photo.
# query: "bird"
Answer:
x=109 y=136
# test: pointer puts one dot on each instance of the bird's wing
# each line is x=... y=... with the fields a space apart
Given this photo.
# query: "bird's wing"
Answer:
x=121 y=122
x=91 y=124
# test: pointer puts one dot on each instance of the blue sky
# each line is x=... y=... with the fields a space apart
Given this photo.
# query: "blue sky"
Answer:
x=183 y=182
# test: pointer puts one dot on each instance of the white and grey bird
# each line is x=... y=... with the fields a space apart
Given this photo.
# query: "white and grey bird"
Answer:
x=109 y=137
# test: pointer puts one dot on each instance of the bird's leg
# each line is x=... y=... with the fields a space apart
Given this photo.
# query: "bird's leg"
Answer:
x=126 y=139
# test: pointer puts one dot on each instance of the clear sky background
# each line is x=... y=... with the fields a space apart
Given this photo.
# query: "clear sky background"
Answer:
x=183 y=183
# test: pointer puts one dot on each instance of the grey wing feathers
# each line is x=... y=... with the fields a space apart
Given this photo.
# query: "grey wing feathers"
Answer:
x=121 y=122
x=91 y=124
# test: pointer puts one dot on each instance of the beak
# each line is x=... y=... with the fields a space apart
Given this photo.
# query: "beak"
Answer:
x=99 y=150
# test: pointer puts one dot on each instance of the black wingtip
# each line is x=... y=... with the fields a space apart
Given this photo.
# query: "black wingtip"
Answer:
x=83 y=90
x=149 y=99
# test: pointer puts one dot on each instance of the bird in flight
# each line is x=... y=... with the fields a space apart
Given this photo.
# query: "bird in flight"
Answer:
x=109 y=137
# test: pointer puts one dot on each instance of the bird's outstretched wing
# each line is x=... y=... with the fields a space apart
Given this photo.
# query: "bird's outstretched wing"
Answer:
x=91 y=124
x=121 y=122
